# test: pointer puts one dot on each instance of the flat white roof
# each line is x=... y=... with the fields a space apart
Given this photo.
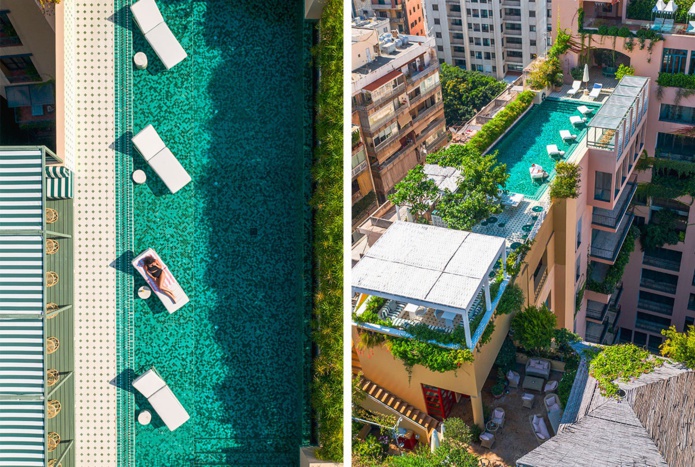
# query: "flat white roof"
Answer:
x=426 y=265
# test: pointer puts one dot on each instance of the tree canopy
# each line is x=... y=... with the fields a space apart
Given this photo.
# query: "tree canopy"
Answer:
x=465 y=92
x=416 y=191
x=680 y=346
x=534 y=328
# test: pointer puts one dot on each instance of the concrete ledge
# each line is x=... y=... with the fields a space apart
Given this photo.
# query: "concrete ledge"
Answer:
x=307 y=459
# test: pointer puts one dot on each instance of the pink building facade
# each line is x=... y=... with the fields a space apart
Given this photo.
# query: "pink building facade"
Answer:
x=658 y=286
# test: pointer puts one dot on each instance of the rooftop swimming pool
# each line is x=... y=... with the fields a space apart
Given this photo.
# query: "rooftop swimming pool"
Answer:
x=237 y=113
x=525 y=143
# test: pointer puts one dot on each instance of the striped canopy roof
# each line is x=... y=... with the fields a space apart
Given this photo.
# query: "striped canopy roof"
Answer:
x=22 y=368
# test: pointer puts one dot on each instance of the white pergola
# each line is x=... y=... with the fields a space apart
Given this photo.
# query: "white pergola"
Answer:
x=431 y=266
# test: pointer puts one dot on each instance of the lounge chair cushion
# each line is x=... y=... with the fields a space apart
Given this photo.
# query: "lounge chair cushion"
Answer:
x=498 y=413
x=550 y=386
x=146 y=14
x=148 y=142
x=553 y=407
x=487 y=436
x=166 y=46
x=170 y=170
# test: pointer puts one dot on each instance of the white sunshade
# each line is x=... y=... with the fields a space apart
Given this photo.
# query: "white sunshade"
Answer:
x=427 y=265
x=691 y=11
x=659 y=7
x=585 y=78
x=671 y=7
x=618 y=104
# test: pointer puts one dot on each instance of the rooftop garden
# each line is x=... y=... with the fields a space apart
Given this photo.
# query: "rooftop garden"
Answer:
x=621 y=362
x=466 y=92
x=436 y=350
x=679 y=346
x=327 y=390
x=642 y=10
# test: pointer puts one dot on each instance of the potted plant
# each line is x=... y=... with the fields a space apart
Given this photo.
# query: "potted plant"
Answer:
x=497 y=390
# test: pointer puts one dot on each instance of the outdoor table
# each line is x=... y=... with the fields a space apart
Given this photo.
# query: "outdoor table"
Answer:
x=144 y=292
x=533 y=383
x=491 y=426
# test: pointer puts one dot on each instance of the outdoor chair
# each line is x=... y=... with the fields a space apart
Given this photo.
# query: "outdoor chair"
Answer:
x=576 y=120
x=550 y=386
x=554 y=151
x=527 y=400
x=540 y=430
x=567 y=136
x=150 y=21
x=498 y=417
x=596 y=91
x=575 y=88
x=487 y=440
x=513 y=377
x=151 y=147
x=552 y=403
x=169 y=282
x=584 y=110
x=161 y=398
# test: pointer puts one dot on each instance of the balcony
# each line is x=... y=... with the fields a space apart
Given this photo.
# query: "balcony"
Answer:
x=513 y=46
x=659 y=281
x=646 y=325
x=654 y=302
x=512 y=59
x=512 y=18
x=605 y=246
x=397 y=91
x=428 y=112
x=385 y=6
x=612 y=218
x=663 y=258
x=516 y=3
x=512 y=32
x=361 y=167
x=595 y=332
x=415 y=76
x=596 y=311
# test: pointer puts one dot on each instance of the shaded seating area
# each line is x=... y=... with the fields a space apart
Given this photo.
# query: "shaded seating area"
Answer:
x=540 y=430
x=162 y=399
x=513 y=378
x=151 y=22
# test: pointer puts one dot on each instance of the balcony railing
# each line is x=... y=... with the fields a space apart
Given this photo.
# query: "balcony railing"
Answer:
x=512 y=17
x=658 y=285
x=361 y=167
x=657 y=307
x=513 y=59
x=612 y=218
x=416 y=75
x=540 y=281
x=606 y=245
x=661 y=263
x=649 y=326
x=429 y=111
x=398 y=90
x=512 y=32
x=596 y=310
x=511 y=45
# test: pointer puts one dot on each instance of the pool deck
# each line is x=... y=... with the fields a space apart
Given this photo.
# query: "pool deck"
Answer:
x=95 y=236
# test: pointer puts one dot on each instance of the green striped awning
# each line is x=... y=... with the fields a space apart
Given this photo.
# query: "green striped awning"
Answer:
x=20 y=189
x=21 y=275
x=22 y=434
x=21 y=356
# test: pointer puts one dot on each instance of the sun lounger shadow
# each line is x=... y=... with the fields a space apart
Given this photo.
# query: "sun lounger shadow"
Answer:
x=124 y=380
x=123 y=263
x=122 y=18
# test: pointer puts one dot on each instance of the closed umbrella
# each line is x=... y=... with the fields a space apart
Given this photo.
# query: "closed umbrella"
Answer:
x=585 y=78
x=434 y=442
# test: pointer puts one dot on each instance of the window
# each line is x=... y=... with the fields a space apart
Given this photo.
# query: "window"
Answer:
x=673 y=61
x=532 y=28
x=385 y=134
x=19 y=68
x=514 y=40
x=654 y=343
x=655 y=302
x=435 y=7
x=532 y=42
x=456 y=22
x=650 y=323
x=487 y=56
x=494 y=69
x=677 y=113
x=8 y=35
x=663 y=258
x=514 y=53
x=436 y=21
x=602 y=186
x=476 y=41
x=470 y=26
x=440 y=48
x=479 y=68
x=459 y=49
x=531 y=14
x=691 y=302
x=675 y=147
x=483 y=13
x=438 y=35
x=470 y=40
x=476 y=27
x=460 y=63
x=455 y=8
x=479 y=55
x=486 y=28
x=579 y=233
x=625 y=335
x=689 y=321
x=476 y=13
x=486 y=41
x=660 y=281
x=457 y=35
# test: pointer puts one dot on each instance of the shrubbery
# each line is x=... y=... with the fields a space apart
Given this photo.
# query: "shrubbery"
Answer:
x=615 y=271
x=566 y=182
x=676 y=80
x=620 y=363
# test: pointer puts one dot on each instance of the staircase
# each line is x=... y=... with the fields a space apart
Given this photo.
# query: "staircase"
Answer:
x=356 y=365
x=398 y=405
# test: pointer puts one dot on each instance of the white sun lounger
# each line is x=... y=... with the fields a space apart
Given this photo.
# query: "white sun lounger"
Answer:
x=575 y=120
x=567 y=136
x=150 y=21
x=553 y=150
x=575 y=88
x=169 y=281
x=163 y=401
x=154 y=151
x=584 y=110
x=596 y=90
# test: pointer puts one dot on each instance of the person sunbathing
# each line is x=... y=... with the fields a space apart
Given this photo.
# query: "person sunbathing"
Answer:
x=154 y=269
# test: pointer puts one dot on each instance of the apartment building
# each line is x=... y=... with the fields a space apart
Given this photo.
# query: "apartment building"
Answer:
x=397 y=103
x=404 y=16
x=27 y=74
x=658 y=287
x=363 y=196
x=495 y=37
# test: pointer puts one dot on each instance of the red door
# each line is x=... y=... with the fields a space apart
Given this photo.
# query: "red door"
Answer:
x=438 y=401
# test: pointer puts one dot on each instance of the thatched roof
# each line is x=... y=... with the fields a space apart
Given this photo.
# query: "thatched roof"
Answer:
x=653 y=426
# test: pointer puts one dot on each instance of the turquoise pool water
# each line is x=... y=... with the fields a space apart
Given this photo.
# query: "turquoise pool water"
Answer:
x=237 y=114
x=526 y=143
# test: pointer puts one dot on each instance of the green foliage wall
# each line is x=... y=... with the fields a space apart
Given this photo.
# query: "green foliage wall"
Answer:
x=466 y=92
